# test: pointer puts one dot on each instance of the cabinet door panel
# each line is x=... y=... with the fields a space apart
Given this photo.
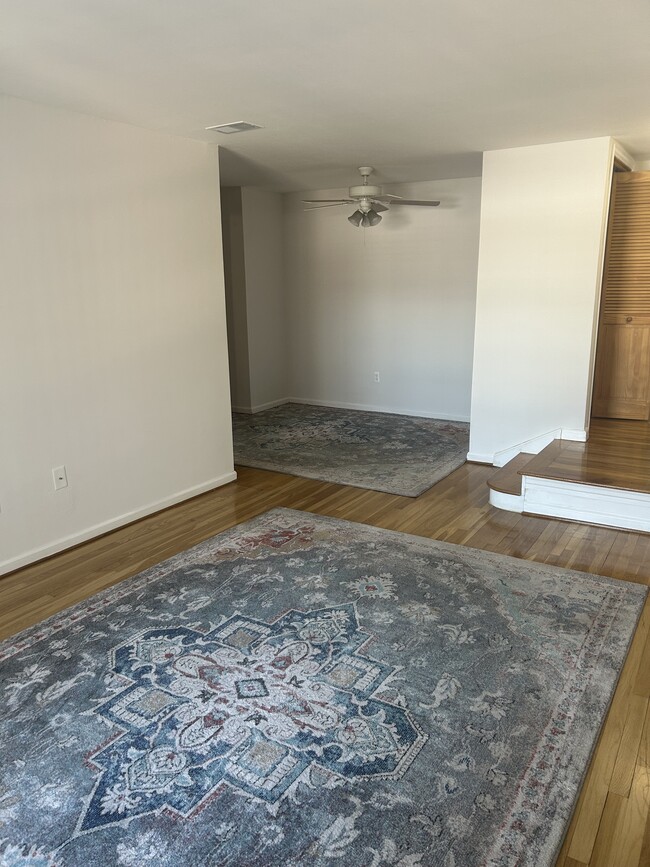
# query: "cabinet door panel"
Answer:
x=623 y=371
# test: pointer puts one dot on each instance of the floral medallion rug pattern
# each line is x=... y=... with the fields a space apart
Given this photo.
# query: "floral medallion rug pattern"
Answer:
x=306 y=691
x=384 y=452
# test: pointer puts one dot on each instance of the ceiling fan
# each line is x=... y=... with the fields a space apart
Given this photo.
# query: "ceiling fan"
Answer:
x=369 y=200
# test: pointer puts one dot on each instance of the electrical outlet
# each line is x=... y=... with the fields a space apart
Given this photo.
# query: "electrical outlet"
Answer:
x=60 y=477
x=376 y=376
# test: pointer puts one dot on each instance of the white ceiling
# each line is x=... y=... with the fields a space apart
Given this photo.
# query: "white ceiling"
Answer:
x=417 y=88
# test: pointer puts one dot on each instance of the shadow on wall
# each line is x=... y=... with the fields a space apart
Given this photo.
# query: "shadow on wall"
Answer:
x=400 y=217
x=236 y=170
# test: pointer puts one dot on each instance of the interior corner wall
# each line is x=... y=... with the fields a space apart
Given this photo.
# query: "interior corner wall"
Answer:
x=265 y=296
x=235 y=290
x=397 y=299
x=543 y=225
x=113 y=357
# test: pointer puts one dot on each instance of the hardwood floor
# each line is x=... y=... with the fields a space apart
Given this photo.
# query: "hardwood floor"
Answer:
x=610 y=827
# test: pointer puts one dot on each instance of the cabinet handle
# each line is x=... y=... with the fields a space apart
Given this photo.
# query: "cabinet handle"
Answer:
x=628 y=318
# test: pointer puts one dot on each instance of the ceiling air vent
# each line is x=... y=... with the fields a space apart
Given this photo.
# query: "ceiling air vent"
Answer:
x=237 y=126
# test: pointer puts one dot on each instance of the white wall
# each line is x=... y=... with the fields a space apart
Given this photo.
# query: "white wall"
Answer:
x=265 y=295
x=543 y=219
x=397 y=298
x=112 y=326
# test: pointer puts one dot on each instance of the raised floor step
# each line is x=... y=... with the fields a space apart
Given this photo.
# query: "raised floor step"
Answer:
x=605 y=481
x=607 y=463
x=507 y=479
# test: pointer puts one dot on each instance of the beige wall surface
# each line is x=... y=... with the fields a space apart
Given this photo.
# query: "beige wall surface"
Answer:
x=397 y=299
x=113 y=355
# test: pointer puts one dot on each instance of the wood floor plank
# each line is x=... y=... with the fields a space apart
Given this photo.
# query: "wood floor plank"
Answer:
x=642 y=682
x=629 y=557
x=630 y=829
x=644 y=856
x=644 y=746
x=603 y=855
x=628 y=750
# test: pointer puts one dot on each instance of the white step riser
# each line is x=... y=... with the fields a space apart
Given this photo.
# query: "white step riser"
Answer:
x=589 y=504
x=508 y=502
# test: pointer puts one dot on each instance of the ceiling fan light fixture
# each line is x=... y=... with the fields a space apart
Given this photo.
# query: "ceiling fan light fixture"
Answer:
x=372 y=218
x=365 y=220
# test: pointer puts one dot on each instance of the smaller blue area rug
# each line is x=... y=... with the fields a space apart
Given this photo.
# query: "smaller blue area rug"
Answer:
x=397 y=454
x=306 y=691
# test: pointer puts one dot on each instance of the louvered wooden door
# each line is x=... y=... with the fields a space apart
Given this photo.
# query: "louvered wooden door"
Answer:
x=622 y=376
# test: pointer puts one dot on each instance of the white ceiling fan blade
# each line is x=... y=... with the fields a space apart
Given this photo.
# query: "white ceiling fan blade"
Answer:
x=415 y=202
x=322 y=207
x=327 y=201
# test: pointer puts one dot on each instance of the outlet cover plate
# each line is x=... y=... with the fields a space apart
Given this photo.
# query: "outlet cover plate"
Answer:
x=60 y=477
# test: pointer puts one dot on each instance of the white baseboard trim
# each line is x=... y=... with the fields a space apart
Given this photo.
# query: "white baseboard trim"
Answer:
x=531 y=447
x=367 y=407
x=478 y=458
x=251 y=410
x=577 y=436
x=591 y=504
x=113 y=524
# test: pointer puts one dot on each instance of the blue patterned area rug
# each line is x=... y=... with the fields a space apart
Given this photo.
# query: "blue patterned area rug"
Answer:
x=397 y=454
x=306 y=691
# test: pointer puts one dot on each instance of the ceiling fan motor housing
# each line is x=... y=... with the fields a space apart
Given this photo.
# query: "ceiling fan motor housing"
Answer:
x=364 y=191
